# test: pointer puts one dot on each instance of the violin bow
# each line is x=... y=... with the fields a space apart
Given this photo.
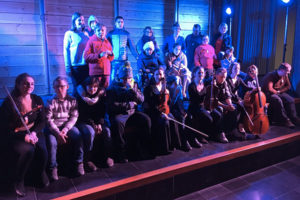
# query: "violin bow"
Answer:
x=203 y=134
x=17 y=110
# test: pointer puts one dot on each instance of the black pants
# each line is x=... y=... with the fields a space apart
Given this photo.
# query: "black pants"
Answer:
x=131 y=133
x=165 y=134
x=30 y=160
x=78 y=75
x=207 y=122
x=282 y=107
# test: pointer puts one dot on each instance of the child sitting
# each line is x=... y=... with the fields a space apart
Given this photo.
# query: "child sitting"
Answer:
x=61 y=116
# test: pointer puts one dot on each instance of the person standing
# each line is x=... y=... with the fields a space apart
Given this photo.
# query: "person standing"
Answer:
x=192 y=41
x=120 y=40
x=172 y=39
x=98 y=54
x=204 y=56
x=92 y=21
x=75 y=41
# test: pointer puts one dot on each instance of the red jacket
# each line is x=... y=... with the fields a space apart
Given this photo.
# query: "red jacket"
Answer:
x=97 y=65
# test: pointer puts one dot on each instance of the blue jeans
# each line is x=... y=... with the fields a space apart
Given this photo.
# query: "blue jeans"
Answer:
x=74 y=138
x=115 y=65
x=88 y=135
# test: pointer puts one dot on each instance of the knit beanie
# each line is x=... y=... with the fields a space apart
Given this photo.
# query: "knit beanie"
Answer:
x=148 y=45
x=125 y=71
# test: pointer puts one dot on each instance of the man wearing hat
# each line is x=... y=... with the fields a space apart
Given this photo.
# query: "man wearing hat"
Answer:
x=130 y=129
x=172 y=39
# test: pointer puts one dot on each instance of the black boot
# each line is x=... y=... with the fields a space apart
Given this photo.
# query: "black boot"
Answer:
x=19 y=188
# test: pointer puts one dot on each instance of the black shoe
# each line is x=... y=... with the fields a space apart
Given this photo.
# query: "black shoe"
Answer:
x=289 y=124
x=80 y=169
x=53 y=174
x=44 y=181
x=296 y=121
x=186 y=147
x=203 y=140
x=89 y=166
x=19 y=189
x=195 y=143
x=221 y=138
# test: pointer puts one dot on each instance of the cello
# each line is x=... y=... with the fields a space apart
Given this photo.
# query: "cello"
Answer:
x=255 y=104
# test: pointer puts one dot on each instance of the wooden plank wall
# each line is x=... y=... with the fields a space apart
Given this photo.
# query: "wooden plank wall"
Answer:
x=193 y=12
x=21 y=43
x=58 y=20
x=141 y=13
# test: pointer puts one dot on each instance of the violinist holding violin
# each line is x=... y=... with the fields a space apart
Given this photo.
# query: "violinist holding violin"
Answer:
x=204 y=120
x=165 y=132
x=282 y=108
x=26 y=150
x=222 y=100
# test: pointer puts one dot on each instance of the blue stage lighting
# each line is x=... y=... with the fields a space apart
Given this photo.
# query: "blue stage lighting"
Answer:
x=285 y=1
x=228 y=11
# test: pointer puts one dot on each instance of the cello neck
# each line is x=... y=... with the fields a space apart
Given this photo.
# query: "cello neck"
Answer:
x=258 y=91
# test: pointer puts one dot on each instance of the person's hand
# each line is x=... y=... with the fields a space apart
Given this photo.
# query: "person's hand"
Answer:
x=230 y=107
x=104 y=54
x=62 y=137
x=98 y=128
x=33 y=138
x=164 y=116
x=27 y=138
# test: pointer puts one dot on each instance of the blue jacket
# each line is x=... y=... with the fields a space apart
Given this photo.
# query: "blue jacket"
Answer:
x=169 y=42
x=120 y=40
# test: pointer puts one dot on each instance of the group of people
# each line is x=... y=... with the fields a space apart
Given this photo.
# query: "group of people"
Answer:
x=115 y=116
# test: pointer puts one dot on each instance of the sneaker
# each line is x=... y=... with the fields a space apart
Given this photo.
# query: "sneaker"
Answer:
x=80 y=169
x=222 y=138
x=110 y=162
x=53 y=174
x=90 y=166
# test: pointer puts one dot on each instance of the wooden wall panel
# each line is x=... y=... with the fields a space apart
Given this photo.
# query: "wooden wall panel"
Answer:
x=58 y=20
x=139 y=14
x=21 y=47
x=193 y=12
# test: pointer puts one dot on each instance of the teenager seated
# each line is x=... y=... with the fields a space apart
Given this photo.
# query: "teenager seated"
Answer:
x=164 y=131
x=176 y=62
x=62 y=114
x=201 y=119
x=148 y=62
x=235 y=83
x=92 y=125
x=282 y=108
x=130 y=129
x=27 y=152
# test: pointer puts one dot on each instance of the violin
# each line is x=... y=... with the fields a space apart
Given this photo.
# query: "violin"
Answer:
x=211 y=101
x=164 y=97
x=255 y=104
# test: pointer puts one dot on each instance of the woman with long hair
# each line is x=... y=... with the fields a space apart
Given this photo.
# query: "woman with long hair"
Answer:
x=75 y=41
x=27 y=151
x=164 y=131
